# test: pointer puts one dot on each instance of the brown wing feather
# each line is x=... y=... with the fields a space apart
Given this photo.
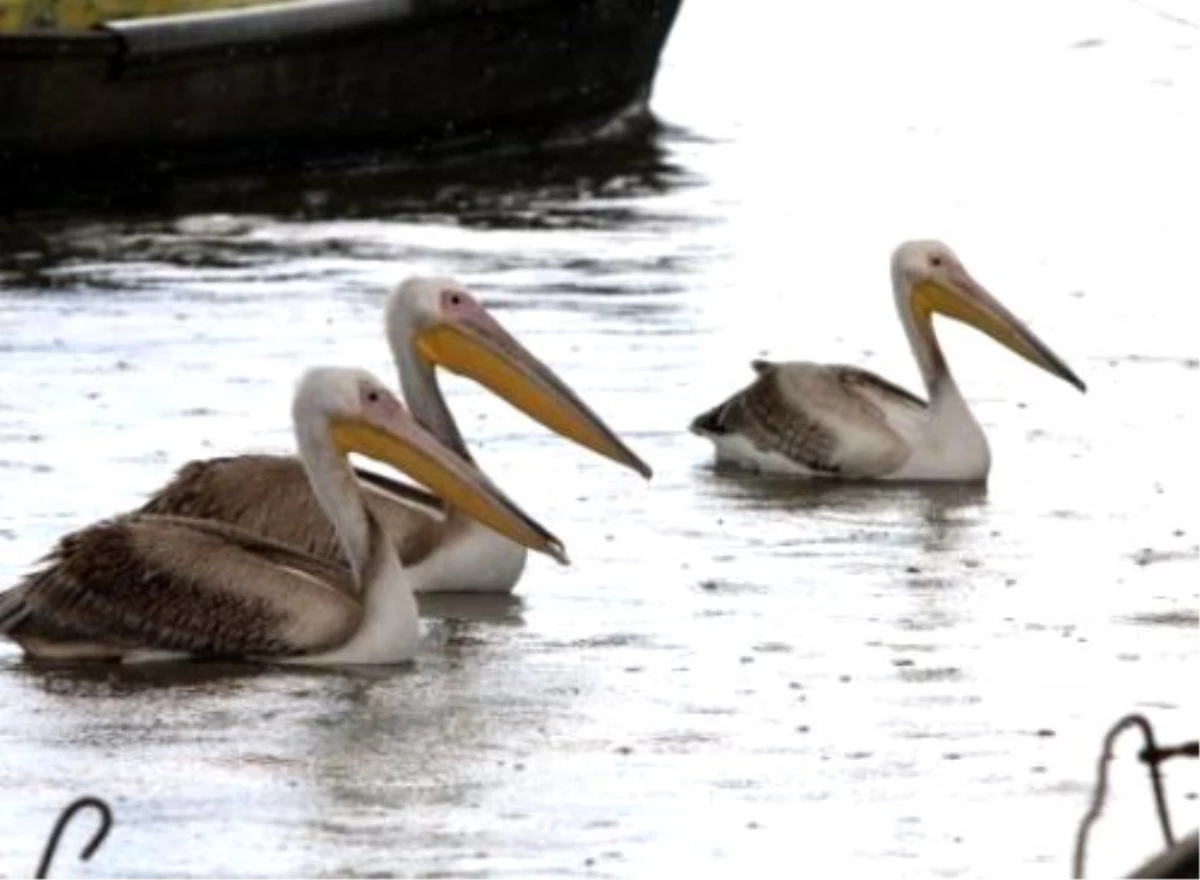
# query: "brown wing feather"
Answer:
x=857 y=380
x=329 y=571
x=808 y=413
x=269 y=495
x=172 y=584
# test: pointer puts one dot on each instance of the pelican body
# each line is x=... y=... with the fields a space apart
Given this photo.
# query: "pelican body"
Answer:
x=143 y=586
x=429 y=322
x=842 y=422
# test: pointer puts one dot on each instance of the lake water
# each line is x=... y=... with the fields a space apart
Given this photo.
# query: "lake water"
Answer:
x=736 y=675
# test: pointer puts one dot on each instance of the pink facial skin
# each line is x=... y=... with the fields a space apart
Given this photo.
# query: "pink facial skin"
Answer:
x=381 y=407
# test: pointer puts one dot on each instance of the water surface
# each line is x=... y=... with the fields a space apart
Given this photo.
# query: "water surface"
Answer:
x=735 y=674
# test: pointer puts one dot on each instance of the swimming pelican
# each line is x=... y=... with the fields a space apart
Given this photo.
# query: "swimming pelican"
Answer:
x=143 y=587
x=819 y=420
x=429 y=322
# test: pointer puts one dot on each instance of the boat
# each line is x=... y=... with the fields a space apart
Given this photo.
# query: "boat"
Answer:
x=114 y=90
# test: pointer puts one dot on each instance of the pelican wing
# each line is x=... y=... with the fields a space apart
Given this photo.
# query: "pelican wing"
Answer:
x=828 y=419
x=270 y=495
x=172 y=584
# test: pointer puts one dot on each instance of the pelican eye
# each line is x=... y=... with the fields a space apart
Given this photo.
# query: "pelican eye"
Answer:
x=935 y=261
x=373 y=396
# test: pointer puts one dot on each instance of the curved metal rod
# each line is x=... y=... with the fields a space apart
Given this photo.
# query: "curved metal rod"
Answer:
x=64 y=818
x=1101 y=789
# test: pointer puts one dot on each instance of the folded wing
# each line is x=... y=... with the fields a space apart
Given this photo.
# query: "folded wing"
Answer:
x=270 y=496
x=180 y=585
x=835 y=420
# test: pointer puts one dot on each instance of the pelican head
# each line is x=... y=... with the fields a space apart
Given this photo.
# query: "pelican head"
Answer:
x=357 y=413
x=929 y=278
x=443 y=324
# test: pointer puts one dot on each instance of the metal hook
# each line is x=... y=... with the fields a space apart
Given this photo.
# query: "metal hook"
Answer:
x=1152 y=755
x=64 y=819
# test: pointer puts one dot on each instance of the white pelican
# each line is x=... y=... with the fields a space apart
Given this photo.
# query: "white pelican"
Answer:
x=429 y=322
x=142 y=587
x=819 y=420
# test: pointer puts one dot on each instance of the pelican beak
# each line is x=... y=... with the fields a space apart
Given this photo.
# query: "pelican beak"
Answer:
x=961 y=297
x=484 y=351
x=399 y=441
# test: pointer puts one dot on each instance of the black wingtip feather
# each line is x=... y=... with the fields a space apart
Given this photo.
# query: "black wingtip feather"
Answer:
x=13 y=609
x=709 y=423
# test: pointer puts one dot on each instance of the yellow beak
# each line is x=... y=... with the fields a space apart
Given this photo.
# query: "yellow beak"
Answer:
x=498 y=362
x=406 y=446
x=963 y=299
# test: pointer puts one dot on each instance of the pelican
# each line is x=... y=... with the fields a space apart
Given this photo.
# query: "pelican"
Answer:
x=429 y=322
x=832 y=420
x=146 y=587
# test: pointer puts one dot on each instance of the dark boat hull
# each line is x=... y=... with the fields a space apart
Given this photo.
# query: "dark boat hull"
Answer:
x=322 y=78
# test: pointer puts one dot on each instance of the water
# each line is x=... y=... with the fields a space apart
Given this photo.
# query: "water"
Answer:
x=735 y=674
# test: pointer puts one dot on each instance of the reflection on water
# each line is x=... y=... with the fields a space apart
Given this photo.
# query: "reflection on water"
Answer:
x=583 y=187
x=932 y=501
x=112 y=680
x=730 y=657
x=468 y=608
